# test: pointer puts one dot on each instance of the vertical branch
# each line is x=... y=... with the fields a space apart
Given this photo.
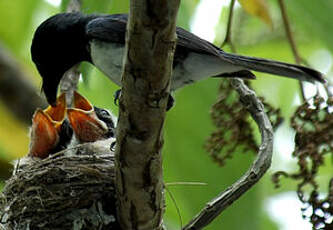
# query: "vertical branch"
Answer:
x=150 y=45
x=69 y=82
x=74 y=6
x=288 y=32
x=291 y=40
x=227 y=39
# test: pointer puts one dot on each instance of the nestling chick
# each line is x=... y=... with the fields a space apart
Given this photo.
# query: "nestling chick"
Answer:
x=50 y=132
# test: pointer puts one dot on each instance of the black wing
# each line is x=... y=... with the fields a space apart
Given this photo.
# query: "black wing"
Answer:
x=108 y=28
x=193 y=43
x=112 y=28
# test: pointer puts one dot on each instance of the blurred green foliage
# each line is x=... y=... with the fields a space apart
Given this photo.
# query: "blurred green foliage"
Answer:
x=188 y=124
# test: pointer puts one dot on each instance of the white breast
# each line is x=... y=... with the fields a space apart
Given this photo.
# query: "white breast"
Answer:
x=200 y=66
x=108 y=58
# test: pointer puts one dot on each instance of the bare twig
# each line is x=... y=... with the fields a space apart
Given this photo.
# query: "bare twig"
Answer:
x=184 y=183
x=329 y=90
x=227 y=39
x=150 y=46
x=263 y=161
x=74 y=6
x=16 y=91
x=288 y=32
x=291 y=40
x=257 y=170
x=176 y=206
x=69 y=82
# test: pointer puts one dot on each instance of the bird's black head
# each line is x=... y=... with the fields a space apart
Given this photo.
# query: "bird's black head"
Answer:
x=107 y=118
x=58 y=44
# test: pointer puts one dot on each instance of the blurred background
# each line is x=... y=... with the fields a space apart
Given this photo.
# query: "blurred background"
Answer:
x=188 y=124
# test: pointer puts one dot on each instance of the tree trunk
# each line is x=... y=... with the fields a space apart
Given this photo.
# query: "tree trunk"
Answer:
x=77 y=191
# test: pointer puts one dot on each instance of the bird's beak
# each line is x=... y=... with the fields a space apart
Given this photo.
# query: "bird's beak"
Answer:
x=46 y=125
x=84 y=121
x=58 y=111
x=50 y=88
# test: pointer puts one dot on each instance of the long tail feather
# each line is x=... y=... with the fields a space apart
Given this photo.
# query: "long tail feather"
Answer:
x=276 y=67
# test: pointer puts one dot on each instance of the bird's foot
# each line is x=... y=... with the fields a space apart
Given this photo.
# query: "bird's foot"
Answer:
x=116 y=96
x=171 y=102
x=113 y=146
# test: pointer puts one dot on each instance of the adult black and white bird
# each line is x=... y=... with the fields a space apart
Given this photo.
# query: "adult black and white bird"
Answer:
x=66 y=39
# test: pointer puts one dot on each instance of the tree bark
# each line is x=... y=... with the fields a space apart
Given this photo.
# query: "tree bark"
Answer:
x=150 y=45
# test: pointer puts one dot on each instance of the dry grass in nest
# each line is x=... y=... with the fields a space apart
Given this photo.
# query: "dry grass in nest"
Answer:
x=73 y=189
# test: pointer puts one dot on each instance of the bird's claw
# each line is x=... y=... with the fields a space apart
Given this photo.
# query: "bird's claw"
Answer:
x=112 y=146
x=171 y=102
x=116 y=96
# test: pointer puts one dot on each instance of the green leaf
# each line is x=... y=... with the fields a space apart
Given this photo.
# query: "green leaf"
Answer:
x=314 y=20
x=119 y=6
x=258 y=8
x=12 y=132
x=63 y=5
x=100 y=89
x=86 y=70
x=186 y=11
x=99 y=6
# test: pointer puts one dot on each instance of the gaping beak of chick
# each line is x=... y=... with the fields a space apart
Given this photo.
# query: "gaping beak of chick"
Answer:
x=84 y=121
x=46 y=125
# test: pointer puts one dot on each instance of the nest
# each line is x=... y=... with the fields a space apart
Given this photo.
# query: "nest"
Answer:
x=72 y=189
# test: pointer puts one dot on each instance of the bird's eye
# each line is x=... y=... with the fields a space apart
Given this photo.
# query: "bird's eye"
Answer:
x=103 y=112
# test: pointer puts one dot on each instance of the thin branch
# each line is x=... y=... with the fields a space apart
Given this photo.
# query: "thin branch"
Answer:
x=16 y=91
x=184 y=183
x=74 y=6
x=329 y=90
x=176 y=206
x=69 y=82
x=227 y=39
x=150 y=45
x=261 y=164
x=291 y=40
x=289 y=34
x=263 y=161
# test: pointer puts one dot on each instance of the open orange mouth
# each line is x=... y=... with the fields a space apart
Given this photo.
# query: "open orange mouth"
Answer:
x=46 y=125
x=84 y=121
